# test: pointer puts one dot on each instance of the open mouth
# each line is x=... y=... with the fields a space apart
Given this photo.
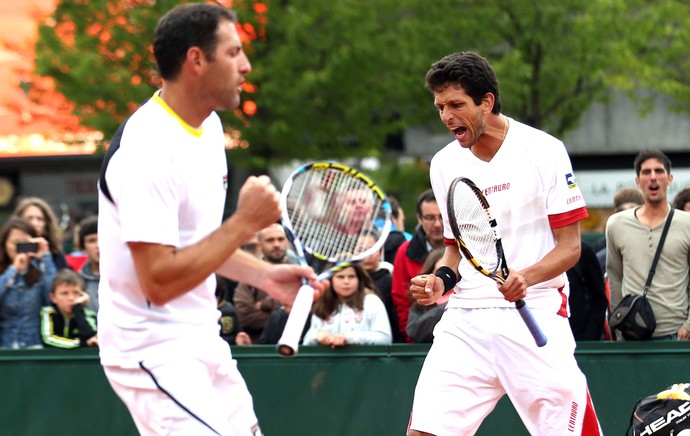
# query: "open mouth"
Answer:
x=459 y=132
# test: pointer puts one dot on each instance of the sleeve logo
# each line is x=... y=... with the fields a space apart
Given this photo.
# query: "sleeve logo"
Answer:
x=570 y=180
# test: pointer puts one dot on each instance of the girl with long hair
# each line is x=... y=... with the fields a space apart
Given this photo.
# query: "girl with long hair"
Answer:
x=40 y=215
x=349 y=312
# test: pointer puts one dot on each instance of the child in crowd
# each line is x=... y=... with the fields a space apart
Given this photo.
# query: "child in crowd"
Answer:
x=349 y=312
x=90 y=271
x=68 y=323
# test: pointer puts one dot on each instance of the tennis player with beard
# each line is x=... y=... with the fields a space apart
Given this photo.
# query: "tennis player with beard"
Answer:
x=482 y=348
x=161 y=198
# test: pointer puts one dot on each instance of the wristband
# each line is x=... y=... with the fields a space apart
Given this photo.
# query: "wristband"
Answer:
x=448 y=276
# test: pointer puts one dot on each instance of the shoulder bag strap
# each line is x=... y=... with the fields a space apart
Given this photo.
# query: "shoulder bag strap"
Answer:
x=652 y=270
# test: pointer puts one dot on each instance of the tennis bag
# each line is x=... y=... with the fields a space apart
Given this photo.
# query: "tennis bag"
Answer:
x=664 y=414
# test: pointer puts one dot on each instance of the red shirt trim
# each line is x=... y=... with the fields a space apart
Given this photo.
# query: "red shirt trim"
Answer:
x=565 y=219
x=562 y=311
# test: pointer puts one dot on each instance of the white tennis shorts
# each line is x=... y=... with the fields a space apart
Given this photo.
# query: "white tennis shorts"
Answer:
x=478 y=355
x=187 y=395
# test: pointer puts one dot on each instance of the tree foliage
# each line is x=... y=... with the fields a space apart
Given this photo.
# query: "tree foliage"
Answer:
x=98 y=52
x=651 y=48
x=340 y=78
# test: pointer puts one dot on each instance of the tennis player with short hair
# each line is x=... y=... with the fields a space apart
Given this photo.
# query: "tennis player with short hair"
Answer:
x=161 y=199
x=482 y=348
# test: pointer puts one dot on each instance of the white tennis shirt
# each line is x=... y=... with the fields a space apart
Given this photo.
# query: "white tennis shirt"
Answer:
x=531 y=188
x=168 y=183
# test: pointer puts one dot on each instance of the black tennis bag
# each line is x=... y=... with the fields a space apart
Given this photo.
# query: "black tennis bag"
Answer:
x=664 y=414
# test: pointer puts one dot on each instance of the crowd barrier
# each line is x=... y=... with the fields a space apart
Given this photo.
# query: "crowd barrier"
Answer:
x=355 y=391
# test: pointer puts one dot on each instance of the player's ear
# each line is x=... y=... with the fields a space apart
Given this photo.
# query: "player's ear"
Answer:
x=488 y=102
x=195 y=58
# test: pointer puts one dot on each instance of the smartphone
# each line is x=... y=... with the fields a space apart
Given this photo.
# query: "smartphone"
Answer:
x=27 y=247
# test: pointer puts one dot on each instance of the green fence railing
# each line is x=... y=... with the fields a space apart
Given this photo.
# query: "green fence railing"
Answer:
x=353 y=391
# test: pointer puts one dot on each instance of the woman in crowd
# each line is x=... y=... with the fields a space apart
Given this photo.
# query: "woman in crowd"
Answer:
x=349 y=312
x=26 y=275
x=40 y=215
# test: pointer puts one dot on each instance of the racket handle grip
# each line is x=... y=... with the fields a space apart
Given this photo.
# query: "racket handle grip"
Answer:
x=301 y=308
x=532 y=325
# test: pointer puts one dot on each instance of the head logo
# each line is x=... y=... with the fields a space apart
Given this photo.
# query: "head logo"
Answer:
x=570 y=180
x=225 y=182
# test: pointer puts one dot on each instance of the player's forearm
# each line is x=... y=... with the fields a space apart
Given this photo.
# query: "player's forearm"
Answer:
x=244 y=268
x=167 y=272
x=563 y=257
x=556 y=262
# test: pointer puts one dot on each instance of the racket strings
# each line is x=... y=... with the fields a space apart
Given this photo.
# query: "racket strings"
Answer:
x=475 y=227
x=319 y=234
x=330 y=211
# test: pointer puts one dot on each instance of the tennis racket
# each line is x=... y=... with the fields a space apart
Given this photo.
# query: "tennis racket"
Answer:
x=326 y=209
x=479 y=240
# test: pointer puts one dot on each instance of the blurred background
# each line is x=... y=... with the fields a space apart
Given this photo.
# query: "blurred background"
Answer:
x=344 y=80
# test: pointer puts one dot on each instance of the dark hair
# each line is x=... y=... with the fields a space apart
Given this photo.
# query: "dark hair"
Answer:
x=627 y=195
x=468 y=70
x=425 y=197
x=184 y=27
x=325 y=306
x=52 y=232
x=681 y=198
x=66 y=276
x=87 y=226
x=645 y=155
x=33 y=274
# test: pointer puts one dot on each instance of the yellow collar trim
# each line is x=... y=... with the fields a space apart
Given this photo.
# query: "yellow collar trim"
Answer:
x=194 y=131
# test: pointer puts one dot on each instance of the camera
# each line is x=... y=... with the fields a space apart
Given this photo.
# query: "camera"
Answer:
x=27 y=247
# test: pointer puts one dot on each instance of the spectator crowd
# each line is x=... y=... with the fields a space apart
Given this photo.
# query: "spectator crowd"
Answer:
x=50 y=298
x=47 y=297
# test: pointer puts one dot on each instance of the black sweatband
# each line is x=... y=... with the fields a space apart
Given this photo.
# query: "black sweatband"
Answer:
x=448 y=276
